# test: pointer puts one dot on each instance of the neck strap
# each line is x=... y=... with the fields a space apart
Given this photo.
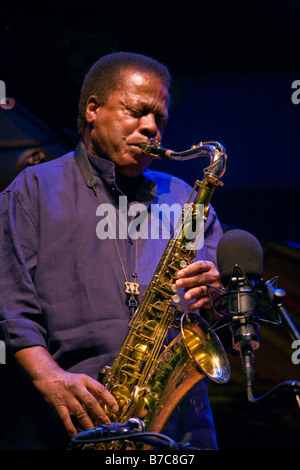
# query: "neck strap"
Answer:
x=84 y=165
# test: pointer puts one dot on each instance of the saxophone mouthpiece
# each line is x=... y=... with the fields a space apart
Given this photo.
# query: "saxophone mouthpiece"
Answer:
x=154 y=149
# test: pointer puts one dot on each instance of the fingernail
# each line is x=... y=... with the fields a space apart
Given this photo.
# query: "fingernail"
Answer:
x=115 y=407
x=187 y=296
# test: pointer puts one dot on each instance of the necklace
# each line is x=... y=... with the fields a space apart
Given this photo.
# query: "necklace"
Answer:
x=131 y=288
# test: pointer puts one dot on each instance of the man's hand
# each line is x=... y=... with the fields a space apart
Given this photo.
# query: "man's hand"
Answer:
x=194 y=279
x=67 y=392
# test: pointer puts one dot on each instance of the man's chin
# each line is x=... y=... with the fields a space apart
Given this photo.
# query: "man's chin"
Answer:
x=133 y=170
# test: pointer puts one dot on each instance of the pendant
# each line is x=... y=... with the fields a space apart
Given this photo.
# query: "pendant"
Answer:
x=132 y=288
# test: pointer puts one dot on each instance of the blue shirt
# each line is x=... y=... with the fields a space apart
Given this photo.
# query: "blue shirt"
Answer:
x=62 y=286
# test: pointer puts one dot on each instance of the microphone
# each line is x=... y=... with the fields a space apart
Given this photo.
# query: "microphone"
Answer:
x=240 y=264
x=242 y=248
x=110 y=431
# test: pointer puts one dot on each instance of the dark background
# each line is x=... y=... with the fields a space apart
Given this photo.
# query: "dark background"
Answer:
x=233 y=65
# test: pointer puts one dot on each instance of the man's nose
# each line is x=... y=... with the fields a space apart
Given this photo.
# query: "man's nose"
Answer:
x=148 y=125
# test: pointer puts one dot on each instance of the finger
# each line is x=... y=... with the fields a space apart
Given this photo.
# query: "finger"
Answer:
x=101 y=392
x=196 y=293
x=82 y=416
x=195 y=268
x=198 y=304
x=200 y=297
x=196 y=280
x=93 y=409
x=64 y=414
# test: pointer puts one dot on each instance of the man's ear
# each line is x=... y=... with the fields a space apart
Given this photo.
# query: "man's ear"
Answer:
x=92 y=106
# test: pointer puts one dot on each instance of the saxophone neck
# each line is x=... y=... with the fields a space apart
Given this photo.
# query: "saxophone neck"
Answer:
x=211 y=149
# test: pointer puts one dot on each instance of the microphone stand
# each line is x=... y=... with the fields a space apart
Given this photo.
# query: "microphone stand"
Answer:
x=277 y=297
x=276 y=300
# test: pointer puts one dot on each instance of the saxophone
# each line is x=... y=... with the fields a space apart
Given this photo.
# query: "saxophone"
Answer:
x=149 y=378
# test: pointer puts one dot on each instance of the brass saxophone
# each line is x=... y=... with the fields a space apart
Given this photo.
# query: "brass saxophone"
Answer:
x=148 y=378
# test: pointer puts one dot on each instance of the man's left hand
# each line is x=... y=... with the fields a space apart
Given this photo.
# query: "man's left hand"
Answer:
x=194 y=279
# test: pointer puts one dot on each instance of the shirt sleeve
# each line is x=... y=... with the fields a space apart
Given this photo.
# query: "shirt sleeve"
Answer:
x=21 y=317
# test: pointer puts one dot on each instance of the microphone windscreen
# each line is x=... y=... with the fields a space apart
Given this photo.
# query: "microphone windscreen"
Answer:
x=241 y=248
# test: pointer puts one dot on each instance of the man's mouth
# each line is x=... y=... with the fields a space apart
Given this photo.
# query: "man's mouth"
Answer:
x=139 y=145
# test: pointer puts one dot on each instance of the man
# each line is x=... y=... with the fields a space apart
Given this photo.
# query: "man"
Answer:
x=64 y=310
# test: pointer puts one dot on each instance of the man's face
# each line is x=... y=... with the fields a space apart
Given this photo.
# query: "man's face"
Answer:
x=134 y=113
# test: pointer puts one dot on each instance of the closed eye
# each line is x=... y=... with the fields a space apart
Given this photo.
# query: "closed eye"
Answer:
x=135 y=112
x=161 y=119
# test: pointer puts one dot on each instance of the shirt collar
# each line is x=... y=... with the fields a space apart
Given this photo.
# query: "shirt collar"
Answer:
x=144 y=190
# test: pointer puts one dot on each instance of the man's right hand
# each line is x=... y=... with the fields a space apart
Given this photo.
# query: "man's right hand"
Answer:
x=67 y=392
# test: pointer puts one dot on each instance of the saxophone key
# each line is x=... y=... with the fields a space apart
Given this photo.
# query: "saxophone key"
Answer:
x=140 y=352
